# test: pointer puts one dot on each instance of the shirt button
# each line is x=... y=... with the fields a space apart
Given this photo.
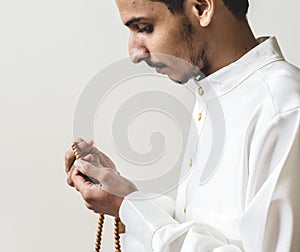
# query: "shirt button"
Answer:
x=191 y=162
x=201 y=91
x=184 y=209
x=200 y=116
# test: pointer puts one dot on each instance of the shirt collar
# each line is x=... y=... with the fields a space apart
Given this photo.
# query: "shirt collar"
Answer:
x=230 y=76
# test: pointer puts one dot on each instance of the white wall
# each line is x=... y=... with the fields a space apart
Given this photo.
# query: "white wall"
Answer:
x=280 y=19
x=49 y=50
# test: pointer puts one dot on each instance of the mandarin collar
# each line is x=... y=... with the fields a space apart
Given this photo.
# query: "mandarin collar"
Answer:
x=230 y=76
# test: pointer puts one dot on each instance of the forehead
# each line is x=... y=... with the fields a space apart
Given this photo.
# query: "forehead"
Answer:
x=141 y=8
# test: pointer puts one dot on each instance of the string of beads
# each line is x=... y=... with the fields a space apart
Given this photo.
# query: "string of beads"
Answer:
x=118 y=225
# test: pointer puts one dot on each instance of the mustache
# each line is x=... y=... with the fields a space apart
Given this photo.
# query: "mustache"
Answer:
x=155 y=64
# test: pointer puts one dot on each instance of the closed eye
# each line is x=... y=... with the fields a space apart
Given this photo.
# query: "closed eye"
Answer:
x=147 y=29
x=142 y=28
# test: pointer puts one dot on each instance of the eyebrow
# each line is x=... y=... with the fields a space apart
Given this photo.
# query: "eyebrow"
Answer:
x=133 y=20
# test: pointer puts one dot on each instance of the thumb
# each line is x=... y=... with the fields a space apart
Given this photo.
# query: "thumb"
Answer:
x=89 y=158
x=88 y=169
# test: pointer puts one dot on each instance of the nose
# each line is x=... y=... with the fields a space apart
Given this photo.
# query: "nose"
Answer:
x=137 y=50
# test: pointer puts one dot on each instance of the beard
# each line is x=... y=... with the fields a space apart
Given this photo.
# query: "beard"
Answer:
x=197 y=52
x=188 y=58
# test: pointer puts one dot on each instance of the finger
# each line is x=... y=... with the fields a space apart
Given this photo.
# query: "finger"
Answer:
x=80 y=183
x=70 y=156
x=69 y=177
x=90 y=142
x=110 y=181
x=100 y=174
x=87 y=168
x=85 y=147
x=106 y=161
x=89 y=158
x=79 y=140
x=69 y=160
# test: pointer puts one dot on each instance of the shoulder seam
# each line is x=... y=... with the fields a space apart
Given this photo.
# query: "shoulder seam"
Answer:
x=269 y=91
x=288 y=111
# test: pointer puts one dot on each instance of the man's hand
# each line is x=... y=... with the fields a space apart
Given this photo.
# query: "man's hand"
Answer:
x=106 y=197
x=89 y=153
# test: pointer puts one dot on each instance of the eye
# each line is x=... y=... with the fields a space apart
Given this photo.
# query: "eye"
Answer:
x=145 y=28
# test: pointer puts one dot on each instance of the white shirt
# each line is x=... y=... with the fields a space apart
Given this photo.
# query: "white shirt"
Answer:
x=241 y=191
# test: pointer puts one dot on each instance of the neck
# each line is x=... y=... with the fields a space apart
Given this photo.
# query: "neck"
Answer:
x=229 y=44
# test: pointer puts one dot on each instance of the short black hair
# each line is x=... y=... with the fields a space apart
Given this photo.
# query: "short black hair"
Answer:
x=238 y=8
x=175 y=6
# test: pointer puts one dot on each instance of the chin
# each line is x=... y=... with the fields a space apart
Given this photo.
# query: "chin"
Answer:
x=179 y=79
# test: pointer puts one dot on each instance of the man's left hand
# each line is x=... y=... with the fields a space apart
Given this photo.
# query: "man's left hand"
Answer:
x=107 y=197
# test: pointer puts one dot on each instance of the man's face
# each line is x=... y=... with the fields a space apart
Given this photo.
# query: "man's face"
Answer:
x=162 y=39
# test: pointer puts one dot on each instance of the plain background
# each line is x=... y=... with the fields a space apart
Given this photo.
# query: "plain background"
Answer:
x=49 y=50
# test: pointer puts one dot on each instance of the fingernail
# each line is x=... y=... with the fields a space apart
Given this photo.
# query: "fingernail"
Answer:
x=90 y=142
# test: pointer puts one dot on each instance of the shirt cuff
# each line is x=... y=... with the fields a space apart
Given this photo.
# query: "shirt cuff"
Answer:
x=142 y=217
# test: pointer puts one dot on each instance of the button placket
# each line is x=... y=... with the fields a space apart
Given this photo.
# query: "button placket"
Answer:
x=199 y=116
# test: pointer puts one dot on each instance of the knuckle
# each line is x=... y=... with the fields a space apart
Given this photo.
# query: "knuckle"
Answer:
x=89 y=206
x=105 y=176
x=86 y=195
x=69 y=155
x=78 y=140
x=70 y=181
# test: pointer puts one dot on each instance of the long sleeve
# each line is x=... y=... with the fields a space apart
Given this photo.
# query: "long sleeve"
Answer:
x=150 y=228
x=271 y=221
x=271 y=217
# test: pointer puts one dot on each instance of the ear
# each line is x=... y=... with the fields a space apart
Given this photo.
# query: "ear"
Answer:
x=204 y=11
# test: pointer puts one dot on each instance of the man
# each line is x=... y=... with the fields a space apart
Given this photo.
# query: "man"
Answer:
x=250 y=202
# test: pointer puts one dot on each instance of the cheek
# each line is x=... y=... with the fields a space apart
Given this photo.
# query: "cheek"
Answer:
x=166 y=44
x=170 y=41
